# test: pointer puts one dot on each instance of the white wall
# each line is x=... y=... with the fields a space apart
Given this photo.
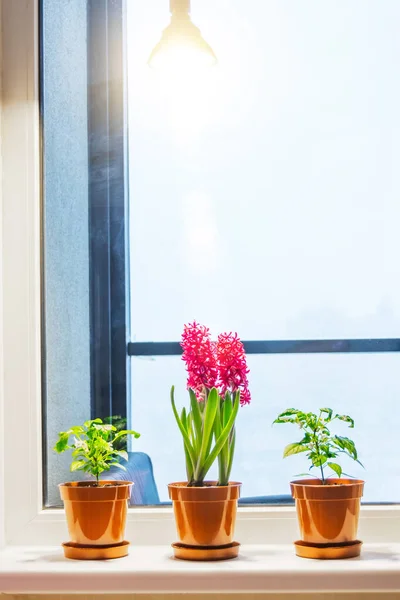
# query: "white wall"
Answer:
x=66 y=230
x=2 y=537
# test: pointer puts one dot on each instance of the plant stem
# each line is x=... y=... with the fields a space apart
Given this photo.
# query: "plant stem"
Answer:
x=322 y=474
x=317 y=447
x=320 y=465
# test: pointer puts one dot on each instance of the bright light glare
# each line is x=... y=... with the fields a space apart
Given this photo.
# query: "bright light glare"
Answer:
x=181 y=98
x=181 y=58
x=190 y=100
x=182 y=61
x=182 y=47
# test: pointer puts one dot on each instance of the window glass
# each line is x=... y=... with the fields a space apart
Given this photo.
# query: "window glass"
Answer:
x=265 y=191
x=364 y=385
x=264 y=200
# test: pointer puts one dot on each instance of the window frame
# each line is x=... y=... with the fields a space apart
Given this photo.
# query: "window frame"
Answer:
x=23 y=520
x=320 y=346
x=108 y=208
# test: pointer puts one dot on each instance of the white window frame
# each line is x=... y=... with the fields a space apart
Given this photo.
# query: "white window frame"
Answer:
x=22 y=518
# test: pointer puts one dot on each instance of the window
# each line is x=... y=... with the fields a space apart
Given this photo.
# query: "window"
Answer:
x=264 y=199
x=259 y=197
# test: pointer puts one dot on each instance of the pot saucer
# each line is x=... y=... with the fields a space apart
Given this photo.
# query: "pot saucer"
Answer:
x=80 y=552
x=328 y=551
x=184 y=552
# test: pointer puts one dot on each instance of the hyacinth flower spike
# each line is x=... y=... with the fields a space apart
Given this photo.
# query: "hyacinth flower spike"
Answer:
x=218 y=385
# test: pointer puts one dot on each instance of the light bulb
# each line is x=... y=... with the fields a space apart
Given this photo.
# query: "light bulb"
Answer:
x=182 y=47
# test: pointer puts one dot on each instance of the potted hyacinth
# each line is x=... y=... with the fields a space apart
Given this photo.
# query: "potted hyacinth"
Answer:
x=327 y=505
x=205 y=511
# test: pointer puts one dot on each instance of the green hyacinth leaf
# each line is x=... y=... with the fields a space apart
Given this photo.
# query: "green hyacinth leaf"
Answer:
x=182 y=429
x=196 y=416
x=208 y=428
x=227 y=410
x=231 y=455
x=223 y=437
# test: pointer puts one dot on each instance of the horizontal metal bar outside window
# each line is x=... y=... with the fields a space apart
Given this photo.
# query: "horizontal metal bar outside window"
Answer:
x=279 y=347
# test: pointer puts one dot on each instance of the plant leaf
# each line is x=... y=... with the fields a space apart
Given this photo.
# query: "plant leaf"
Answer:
x=284 y=420
x=327 y=411
x=295 y=448
x=115 y=464
x=347 y=475
x=231 y=454
x=197 y=419
x=121 y=453
x=225 y=454
x=289 y=411
x=88 y=424
x=183 y=431
x=223 y=437
x=335 y=467
x=77 y=465
x=346 y=419
x=188 y=463
x=208 y=428
x=318 y=460
x=126 y=432
x=184 y=419
x=62 y=443
x=346 y=444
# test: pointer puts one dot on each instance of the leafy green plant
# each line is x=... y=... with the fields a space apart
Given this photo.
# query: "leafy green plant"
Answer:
x=94 y=447
x=321 y=445
x=208 y=420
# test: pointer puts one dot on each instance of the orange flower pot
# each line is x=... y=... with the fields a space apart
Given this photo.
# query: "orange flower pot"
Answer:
x=205 y=516
x=96 y=515
x=328 y=514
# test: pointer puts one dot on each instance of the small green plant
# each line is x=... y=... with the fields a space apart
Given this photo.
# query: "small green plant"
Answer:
x=321 y=446
x=94 y=447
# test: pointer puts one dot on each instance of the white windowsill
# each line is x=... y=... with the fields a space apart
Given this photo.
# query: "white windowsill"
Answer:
x=150 y=569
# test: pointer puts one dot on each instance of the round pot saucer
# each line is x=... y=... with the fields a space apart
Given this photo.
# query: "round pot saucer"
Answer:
x=80 y=552
x=184 y=552
x=328 y=551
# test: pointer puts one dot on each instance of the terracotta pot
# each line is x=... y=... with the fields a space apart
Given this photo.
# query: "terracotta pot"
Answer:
x=96 y=516
x=205 y=516
x=328 y=513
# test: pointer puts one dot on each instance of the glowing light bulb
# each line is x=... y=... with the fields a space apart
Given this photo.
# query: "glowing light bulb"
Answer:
x=182 y=47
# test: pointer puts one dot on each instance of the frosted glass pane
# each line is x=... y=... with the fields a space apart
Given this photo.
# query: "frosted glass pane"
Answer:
x=365 y=386
x=265 y=192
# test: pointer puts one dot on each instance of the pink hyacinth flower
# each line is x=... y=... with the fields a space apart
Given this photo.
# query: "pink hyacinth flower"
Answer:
x=232 y=367
x=200 y=356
